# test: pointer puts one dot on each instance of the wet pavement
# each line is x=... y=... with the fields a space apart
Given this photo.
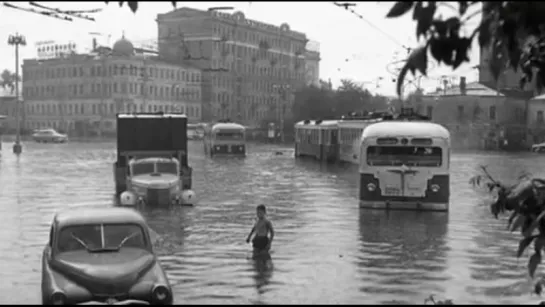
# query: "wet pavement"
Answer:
x=326 y=250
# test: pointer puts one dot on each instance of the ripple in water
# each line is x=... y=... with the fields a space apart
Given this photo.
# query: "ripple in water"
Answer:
x=326 y=249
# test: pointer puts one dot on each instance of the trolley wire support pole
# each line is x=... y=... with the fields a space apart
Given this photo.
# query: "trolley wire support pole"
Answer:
x=282 y=90
x=17 y=40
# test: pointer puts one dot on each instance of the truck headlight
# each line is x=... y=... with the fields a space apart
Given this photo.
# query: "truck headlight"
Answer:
x=435 y=188
x=371 y=187
x=58 y=298
x=160 y=294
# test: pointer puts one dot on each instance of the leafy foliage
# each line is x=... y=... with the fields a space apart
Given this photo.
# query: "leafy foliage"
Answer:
x=512 y=31
x=526 y=203
x=7 y=80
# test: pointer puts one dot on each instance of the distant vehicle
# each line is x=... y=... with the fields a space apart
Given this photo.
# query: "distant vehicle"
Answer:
x=225 y=138
x=538 y=148
x=152 y=164
x=49 y=136
x=195 y=131
x=102 y=256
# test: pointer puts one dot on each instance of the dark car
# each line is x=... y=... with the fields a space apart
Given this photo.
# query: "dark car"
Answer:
x=102 y=256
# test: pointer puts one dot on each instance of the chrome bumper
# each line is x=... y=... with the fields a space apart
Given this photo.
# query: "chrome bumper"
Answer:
x=124 y=302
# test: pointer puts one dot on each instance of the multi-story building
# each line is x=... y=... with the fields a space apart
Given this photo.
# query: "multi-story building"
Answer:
x=250 y=69
x=477 y=116
x=312 y=63
x=81 y=93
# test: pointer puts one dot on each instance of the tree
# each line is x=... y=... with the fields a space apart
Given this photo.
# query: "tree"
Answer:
x=524 y=200
x=8 y=79
x=513 y=32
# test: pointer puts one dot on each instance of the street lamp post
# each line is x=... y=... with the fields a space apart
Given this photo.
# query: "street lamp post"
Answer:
x=17 y=40
x=282 y=89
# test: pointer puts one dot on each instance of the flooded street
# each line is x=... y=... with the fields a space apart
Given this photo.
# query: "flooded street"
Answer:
x=326 y=250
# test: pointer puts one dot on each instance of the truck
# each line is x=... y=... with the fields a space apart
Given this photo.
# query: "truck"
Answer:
x=152 y=166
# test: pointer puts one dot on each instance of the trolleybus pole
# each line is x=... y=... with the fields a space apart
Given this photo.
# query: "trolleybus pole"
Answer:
x=16 y=40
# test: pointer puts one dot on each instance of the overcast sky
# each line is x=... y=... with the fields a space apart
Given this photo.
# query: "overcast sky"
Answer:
x=351 y=48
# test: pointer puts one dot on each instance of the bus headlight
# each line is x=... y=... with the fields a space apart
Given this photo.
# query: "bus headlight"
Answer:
x=435 y=188
x=218 y=148
x=371 y=187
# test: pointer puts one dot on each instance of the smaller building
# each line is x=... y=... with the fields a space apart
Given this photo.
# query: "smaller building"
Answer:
x=477 y=116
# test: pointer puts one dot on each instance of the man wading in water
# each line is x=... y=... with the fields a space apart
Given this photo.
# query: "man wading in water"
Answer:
x=261 y=241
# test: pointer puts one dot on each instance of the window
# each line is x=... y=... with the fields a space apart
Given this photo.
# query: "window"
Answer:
x=492 y=113
x=429 y=111
x=404 y=155
x=460 y=112
x=540 y=117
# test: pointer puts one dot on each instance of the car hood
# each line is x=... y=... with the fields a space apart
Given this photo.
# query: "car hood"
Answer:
x=105 y=273
x=148 y=181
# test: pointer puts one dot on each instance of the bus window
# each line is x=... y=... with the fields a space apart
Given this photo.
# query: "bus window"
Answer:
x=407 y=155
x=229 y=135
x=333 y=137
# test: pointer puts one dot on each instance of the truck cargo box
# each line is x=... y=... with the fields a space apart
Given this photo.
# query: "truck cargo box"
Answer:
x=151 y=132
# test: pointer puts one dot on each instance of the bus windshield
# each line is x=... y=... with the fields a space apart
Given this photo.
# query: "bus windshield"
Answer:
x=404 y=155
x=229 y=135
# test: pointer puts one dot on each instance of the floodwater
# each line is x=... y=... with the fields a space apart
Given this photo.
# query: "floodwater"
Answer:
x=326 y=250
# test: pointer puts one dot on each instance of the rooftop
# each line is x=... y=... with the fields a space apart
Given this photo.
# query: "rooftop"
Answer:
x=472 y=89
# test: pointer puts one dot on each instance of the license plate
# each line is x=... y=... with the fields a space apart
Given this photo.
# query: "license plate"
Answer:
x=392 y=192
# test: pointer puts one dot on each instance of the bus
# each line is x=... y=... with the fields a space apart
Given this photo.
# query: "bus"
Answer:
x=195 y=131
x=350 y=131
x=317 y=139
x=404 y=165
x=225 y=139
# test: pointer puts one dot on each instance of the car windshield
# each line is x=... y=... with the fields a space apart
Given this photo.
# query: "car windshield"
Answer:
x=143 y=168
x=167 y=168
x=404 y=155
x=101 y=237
x=229 y=135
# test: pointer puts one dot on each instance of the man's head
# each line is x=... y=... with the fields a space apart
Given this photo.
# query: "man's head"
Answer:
x=539 y=190
x=261 y=211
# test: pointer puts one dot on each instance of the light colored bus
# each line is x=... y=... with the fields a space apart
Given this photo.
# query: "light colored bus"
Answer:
x=318 y=139
x=405 y=165
x=350 y=131
x=225 y=139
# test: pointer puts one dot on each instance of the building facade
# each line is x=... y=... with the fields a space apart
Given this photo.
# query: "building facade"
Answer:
x=477 y=116
x=535 y=119
x=8 y=108
x=81 y=93
x=312 y=64
x=250 y=69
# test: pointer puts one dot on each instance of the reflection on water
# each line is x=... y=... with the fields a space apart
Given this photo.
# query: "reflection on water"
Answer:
x=402 y=253
x=326 y=250
x=263 y=266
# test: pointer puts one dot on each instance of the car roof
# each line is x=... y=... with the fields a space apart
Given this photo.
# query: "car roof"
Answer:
x=108 y=215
